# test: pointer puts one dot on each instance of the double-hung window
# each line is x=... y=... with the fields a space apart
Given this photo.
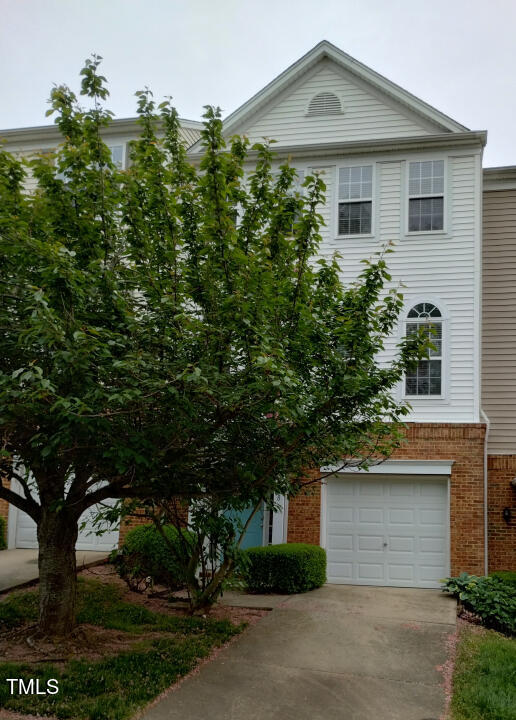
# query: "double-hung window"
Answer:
x=355 y=200
x=117 y=155
x=425 y=379
x=426 y=196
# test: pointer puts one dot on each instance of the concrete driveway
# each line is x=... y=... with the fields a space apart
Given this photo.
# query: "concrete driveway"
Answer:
x=337 y=653
x=20 y=567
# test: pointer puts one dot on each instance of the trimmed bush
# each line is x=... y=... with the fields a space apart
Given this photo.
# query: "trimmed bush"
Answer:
x=3 y=542
x=145 y=554
x=288 y=568
x=492 y=598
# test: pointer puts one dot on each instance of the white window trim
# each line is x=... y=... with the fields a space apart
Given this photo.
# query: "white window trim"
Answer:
x=350 y=164
x=407 y=198
x=417 y=401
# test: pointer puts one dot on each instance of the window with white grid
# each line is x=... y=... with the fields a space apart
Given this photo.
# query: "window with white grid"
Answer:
x=355 y=200
x=426 y=196
x=425 y=379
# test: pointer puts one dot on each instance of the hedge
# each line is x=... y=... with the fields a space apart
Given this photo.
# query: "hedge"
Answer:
x=3 y=543
x=145 y=554
x=287 y=568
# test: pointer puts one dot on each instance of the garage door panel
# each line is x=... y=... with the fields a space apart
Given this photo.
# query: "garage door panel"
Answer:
x=395 y=531
x=371 y=571
x=401 y=572
x=401 y=516
x=402 y=491
x=397 y=543
x=370 y=543
x=432 y=544
x=341 y=515
x=370 y=515
x=374 y=489
x=340 y=542
x=341 y=572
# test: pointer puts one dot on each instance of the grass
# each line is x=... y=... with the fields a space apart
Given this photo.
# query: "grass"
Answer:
x=484 y=682
x=116 y=686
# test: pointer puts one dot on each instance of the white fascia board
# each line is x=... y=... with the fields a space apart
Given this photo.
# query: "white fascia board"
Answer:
x=397 y=467
x=442 y=141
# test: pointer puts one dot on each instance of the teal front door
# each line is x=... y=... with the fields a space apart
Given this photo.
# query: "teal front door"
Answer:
x=254 y=533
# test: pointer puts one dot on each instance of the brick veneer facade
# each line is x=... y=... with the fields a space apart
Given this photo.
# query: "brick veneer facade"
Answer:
x=138 y=517
x=462 y=443
x=502 y=535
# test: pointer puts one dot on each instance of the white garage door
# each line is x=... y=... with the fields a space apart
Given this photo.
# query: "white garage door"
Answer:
x=387 y=530
x=26 y=535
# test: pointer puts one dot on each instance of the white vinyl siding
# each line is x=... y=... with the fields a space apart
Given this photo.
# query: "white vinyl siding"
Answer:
x=499 y=319
x=435 y=268
x=364 y=114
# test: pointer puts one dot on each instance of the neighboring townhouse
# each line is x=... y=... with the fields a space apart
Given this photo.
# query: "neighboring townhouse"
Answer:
x=28 y=143
x=499 y=359
x=396 y=169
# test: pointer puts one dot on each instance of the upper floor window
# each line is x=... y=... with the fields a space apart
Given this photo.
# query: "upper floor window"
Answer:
x=425 y=378
x=117 y=155
x=426 y=196
x=117 y=158
x=324 y=103
x=355 y=200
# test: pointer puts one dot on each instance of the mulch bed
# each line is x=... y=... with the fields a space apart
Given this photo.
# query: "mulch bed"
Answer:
x=91 y=642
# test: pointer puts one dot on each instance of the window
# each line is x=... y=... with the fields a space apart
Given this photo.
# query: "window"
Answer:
x=355 y=200
x=426 y=196
x=117 y=158
x=117 y=155
x=324 y=103
x=426 y=378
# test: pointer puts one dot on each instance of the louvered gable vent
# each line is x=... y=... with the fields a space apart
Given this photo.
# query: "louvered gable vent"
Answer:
x=324 y=103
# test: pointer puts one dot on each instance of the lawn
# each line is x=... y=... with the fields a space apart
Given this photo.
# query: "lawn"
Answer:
x=484 y=682
x=140 y=654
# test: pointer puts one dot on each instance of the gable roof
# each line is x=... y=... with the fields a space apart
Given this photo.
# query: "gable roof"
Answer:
x=325 y=49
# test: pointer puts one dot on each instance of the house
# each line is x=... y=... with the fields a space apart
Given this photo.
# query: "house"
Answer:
x=398 y=169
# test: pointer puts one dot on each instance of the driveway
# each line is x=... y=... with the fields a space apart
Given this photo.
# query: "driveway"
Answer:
x=19 y=567
x=338 y=653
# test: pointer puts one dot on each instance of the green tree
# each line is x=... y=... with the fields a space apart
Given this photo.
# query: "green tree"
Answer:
x=167 y=331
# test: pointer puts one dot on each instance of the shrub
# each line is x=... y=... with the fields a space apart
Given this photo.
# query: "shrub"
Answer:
x=288 y=568
x=3 y=543
x=508 y=576
x=492 y=598
x=146 y=555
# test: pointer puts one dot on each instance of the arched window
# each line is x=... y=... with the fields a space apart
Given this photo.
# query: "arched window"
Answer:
x=426 y=378
x=324 y=103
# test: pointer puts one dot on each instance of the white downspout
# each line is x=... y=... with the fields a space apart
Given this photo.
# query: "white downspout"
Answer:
x=486 y=537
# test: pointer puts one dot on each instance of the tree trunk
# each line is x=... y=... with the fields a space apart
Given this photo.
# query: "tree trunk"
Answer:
x=57 y=535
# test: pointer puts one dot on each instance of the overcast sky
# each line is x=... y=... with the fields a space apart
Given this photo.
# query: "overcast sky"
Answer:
x=458 y=55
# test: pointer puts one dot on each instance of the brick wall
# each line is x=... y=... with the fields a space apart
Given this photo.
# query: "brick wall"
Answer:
x=304 y=515
x=502 y=535
x=138 y=517
x=463 y=443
